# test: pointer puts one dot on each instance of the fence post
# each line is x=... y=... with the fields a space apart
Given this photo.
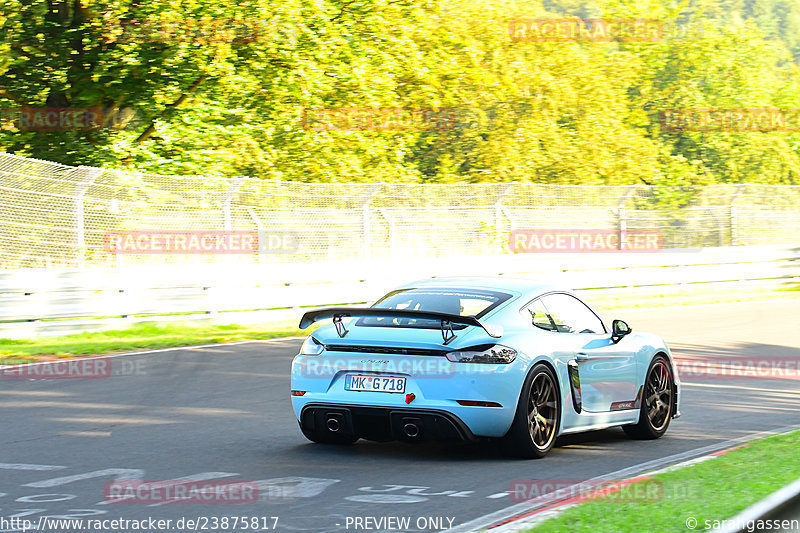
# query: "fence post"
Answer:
x=390 y=221
x=262 y=245
x=226 y=201
x=734 y=222
x=498 y=216
x=78 y=209
x=365 y=225
x=622 y=229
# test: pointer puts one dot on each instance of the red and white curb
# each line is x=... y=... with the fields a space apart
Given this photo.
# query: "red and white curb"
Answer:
x=527 y=521
x=523 y=516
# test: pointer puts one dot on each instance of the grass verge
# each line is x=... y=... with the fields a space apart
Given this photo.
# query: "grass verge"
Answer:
x=714 y=490
x=695 y=294
x=144 y=336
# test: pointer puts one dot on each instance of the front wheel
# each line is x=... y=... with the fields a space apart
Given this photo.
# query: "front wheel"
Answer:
x=533 y=432
x=657 y=402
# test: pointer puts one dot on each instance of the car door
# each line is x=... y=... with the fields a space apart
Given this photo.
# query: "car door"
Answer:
x=606 y=372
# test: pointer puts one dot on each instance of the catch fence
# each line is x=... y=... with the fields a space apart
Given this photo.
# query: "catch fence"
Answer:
x=53 y=215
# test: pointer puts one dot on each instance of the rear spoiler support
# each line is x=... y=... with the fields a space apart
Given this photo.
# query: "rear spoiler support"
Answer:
x=447 y=332
x=341 y=329
x=446 y=320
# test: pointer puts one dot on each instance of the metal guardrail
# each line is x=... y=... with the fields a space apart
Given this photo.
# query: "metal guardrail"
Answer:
x=56 y=301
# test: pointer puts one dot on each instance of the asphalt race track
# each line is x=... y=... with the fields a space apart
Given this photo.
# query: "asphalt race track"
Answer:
x=224 y=413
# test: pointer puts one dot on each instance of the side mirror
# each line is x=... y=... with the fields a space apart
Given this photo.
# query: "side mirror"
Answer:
x=619 y=328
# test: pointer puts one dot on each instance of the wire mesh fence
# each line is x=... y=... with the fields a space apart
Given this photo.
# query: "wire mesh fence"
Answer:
x=53 y=215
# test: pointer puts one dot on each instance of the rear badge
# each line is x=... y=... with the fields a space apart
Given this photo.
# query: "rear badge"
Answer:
x=410 y=397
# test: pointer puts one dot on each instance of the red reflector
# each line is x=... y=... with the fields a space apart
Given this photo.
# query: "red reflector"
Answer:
x=473 y=403
x=298 y=392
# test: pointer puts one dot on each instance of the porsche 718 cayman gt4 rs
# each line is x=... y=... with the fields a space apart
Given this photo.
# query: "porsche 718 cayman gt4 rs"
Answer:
x=465 y=359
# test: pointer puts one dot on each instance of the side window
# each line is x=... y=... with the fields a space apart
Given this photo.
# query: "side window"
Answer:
x=571 y=315
x=538 y=316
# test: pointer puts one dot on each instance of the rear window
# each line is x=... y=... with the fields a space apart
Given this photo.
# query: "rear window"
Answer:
x=463 y=302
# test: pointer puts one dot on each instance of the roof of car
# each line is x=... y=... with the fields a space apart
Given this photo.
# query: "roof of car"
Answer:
x=501 y=283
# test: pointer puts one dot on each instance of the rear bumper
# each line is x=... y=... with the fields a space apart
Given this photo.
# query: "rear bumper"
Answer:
x=385 y=423
x=437 y=388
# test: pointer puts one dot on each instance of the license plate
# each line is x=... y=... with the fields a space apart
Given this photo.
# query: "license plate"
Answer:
x=356 y=382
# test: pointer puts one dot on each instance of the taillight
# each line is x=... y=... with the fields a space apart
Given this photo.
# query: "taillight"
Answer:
x=486 y=354
x=474 y=403
x=311 y=347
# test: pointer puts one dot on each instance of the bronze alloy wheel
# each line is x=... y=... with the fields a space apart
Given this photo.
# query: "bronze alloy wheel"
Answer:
x=542 y=411
x=658 y=400
x=658 y=395
x=536 y=421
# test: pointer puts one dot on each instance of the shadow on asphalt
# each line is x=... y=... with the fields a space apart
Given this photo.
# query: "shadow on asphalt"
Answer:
x=489 y=450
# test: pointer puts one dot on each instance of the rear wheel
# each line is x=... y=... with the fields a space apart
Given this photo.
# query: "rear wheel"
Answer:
x=657 y=402
x=538 y=415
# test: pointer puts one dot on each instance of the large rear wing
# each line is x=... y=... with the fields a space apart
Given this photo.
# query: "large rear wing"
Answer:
x=446 y=320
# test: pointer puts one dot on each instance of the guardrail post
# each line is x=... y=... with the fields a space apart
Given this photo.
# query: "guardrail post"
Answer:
x=78 y=209
x=365 y=225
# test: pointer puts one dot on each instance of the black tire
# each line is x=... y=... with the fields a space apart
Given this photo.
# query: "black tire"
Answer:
x=328 y=437
x=538 y=417
x=657 y=402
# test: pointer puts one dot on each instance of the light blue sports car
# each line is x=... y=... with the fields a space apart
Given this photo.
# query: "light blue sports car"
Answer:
x=467 y=359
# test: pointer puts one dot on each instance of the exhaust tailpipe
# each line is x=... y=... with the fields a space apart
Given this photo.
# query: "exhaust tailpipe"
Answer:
x=411 y=430
x=333 y=425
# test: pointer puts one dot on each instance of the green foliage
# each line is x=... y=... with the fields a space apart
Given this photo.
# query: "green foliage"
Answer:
x=189 y=98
